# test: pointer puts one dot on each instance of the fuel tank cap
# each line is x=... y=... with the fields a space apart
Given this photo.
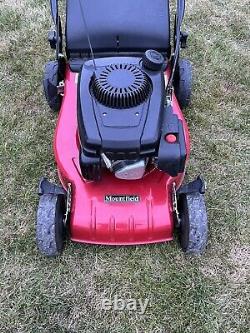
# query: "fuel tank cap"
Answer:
x=153 y=60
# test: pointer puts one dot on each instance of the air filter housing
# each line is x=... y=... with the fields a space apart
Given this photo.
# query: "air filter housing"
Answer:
x=121 y=86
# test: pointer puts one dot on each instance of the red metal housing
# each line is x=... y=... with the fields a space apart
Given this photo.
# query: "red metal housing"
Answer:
x=92 y=220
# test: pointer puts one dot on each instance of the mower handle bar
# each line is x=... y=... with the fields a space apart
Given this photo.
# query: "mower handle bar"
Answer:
x=54 y=9
x=180 y=11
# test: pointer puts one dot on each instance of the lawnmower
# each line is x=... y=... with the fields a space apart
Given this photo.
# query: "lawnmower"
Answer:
x=121 y=143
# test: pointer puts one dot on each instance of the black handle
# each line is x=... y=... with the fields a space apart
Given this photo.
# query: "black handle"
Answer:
x=180 y=12
x=54 y=10
x=58 y=27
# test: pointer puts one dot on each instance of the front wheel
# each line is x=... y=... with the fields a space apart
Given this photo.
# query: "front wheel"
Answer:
x=50 y=228
x=194 y=223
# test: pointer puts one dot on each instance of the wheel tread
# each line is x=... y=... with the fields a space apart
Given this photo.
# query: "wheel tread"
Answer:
x=183 y=83
x=197 y=223
x=50 y=83
x=46 y=234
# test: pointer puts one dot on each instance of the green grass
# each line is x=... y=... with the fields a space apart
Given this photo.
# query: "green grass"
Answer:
x=208 y=294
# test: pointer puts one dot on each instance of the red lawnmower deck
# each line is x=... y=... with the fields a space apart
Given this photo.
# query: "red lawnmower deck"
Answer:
x=121 y=143
x=94 y=220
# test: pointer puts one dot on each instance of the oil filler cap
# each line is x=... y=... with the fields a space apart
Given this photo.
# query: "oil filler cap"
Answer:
x=153 y=60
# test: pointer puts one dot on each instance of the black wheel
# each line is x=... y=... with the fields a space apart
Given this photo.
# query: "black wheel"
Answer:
x=50 y=229
x=183 y=82
x=50 y=83
x=194 y=223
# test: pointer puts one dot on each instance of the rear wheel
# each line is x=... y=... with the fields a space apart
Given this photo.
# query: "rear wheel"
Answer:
x=194 y=223
x=183 y=82
x=50 y=84
x=50 y=228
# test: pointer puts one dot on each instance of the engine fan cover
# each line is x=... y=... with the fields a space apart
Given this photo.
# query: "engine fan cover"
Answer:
x=121 y=86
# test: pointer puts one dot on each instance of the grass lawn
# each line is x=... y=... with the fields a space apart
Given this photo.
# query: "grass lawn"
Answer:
x=208 y=294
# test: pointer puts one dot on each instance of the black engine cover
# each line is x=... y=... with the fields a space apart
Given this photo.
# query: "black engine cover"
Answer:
x=120 y=108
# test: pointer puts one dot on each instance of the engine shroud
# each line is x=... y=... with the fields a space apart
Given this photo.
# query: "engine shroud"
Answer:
x=120 y=108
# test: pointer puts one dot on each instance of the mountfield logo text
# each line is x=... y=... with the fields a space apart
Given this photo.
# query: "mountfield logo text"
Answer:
x=121 y=199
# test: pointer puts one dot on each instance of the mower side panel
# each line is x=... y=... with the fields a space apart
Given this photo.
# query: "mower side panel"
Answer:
x=93 y=220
